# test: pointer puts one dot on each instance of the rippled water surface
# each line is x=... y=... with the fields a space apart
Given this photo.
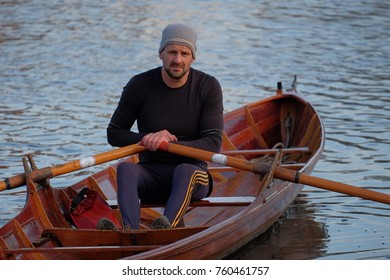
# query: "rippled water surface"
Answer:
x=63 y=65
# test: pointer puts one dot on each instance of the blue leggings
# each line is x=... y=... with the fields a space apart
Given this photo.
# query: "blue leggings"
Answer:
x=175 y=185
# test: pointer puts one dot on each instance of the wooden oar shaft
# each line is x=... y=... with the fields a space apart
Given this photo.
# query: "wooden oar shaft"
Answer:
x=50 y=172
x=280 y=173
x=213 y=157
x=294 y=176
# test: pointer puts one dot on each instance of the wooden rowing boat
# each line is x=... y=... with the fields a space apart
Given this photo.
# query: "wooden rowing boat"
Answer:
x=282 y=131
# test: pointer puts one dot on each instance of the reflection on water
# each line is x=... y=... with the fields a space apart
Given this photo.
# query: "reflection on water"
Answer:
x=295 y=236
x=63 y=65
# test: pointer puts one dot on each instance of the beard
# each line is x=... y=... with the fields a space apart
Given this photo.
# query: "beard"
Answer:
x=177 y=75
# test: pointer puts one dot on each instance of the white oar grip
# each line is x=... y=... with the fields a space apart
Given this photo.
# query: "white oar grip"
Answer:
x=219 y=159
x=87 y=162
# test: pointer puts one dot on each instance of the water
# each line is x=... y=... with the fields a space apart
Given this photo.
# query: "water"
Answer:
x=63 y=65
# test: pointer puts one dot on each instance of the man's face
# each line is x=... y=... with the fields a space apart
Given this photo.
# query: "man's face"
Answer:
x=177 y=60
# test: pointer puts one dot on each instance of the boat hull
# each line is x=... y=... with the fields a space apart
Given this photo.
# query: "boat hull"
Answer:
x=283 y=130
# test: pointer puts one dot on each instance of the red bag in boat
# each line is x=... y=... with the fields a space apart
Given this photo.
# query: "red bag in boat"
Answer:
x=87 y=208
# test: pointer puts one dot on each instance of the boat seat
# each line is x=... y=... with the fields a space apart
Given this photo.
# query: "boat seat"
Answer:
x=205 y=202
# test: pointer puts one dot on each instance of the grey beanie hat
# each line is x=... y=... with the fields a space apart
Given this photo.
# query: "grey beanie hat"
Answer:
x=178 y=34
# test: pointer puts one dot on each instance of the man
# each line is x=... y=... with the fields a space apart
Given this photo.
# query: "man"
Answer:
x=173 y=103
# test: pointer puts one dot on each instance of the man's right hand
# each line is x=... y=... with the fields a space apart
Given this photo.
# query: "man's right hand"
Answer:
x=152 y=141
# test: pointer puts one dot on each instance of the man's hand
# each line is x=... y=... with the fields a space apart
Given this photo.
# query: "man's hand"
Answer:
x=152 y=141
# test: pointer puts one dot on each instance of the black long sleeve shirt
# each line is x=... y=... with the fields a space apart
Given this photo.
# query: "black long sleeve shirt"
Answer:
x=193 y=113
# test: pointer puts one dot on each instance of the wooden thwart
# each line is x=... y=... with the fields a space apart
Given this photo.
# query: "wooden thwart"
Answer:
x=206 y=202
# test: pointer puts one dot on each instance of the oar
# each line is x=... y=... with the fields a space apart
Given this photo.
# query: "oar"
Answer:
x=50 y=172
x=279 y=172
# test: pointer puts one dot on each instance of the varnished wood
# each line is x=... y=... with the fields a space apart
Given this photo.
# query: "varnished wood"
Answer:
x=206 y=202
x=53 y=171
x=242 y=204
x=85 y=237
